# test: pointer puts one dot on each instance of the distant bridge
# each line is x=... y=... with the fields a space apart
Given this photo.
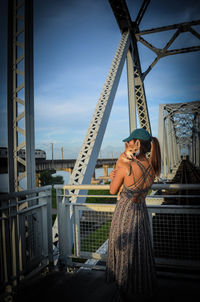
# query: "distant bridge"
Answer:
x=58 y=164
x=64 y=164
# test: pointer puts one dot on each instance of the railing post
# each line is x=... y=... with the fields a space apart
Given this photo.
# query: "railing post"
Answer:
x=47 y=251
x=47 y=224
x=150 y=214
x=64 y=230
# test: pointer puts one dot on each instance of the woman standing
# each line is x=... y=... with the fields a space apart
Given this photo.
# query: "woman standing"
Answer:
x=130 y=259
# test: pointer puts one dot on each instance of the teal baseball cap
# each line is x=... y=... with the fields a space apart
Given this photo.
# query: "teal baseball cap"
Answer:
x=139 y=133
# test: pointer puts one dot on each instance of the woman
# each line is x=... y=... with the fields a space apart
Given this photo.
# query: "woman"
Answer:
x=130 y=259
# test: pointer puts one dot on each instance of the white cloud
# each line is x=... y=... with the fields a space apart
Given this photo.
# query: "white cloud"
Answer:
x=69 y=87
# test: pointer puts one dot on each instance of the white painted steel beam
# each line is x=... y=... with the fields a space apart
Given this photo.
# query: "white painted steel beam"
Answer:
x=20 y=103
x=87 y=157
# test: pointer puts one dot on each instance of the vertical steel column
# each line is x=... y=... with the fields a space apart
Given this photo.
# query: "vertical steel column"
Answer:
x=173 y=145
x=131 y=91
x=29 y=96
x=10 y=99
x=169 y=137
x=160 y=133
x=193 y=143
x=175 y=148
x=162 y=137
x=20 y=103
x=198 y=140
x=166 y=153
x=142 y=108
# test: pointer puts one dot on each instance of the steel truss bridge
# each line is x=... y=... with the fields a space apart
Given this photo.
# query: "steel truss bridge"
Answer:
x=179 y=134
x=179 y=123
x=20 y=96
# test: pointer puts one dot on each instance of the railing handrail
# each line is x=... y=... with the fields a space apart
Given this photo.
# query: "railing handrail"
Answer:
x=8 y=196
x=153 y=206
x=107 y=187
x=75 y=231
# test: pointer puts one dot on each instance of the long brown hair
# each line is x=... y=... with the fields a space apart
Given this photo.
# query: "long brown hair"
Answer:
x=155 y=155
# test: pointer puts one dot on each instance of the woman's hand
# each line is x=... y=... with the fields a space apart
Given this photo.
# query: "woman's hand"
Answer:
x=113 y=173
x=117 y=179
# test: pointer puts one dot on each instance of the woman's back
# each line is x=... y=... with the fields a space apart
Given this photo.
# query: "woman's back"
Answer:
x=141 y=177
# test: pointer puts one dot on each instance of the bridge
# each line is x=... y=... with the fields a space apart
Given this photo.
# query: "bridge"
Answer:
x=58 y=164
x=26 y=244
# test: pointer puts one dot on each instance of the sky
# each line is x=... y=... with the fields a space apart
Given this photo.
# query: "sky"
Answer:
x=74 y=45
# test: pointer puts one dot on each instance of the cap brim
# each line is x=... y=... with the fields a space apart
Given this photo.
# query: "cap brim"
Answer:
x=126 y=139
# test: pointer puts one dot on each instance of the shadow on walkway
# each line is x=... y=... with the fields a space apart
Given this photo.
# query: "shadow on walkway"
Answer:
x=90 y=286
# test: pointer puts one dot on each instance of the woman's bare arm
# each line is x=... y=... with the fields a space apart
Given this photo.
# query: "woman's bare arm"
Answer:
x=117 y=180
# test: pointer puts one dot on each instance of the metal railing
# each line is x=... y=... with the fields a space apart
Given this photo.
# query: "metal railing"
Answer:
x=84 y=228
x=25 y=234
x=26 y=230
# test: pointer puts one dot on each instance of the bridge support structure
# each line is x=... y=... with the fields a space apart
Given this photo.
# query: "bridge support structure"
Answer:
x=20 y=102
x=179 y=134
x=88 y=155
x=128 y=50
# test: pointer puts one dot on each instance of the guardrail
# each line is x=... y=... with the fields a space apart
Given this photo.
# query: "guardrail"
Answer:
x=84 y=228
x=25 y=234
x=26 y=230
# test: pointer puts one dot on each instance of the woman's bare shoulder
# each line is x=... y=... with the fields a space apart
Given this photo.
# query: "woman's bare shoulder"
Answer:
x=138 y=167
x=121 y=170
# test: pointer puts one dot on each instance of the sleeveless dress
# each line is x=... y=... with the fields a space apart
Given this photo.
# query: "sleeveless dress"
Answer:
x=130 y=259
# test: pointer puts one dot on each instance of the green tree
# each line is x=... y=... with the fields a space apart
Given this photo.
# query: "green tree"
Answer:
x=58 y=180
x=46 y=178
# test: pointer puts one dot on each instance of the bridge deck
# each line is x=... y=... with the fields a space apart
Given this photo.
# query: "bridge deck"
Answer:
x=90 y=286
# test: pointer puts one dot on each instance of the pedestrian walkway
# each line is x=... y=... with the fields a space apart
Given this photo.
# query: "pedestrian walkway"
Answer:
x=90 y=286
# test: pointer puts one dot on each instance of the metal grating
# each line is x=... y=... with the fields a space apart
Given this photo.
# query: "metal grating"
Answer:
x=175 y=233
x=94 y=230
x=176 y=236
x=32 y=239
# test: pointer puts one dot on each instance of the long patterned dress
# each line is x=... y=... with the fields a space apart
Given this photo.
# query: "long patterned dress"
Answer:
x=130 y=259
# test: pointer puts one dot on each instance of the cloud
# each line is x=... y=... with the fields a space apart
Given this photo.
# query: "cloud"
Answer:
x=75 y=42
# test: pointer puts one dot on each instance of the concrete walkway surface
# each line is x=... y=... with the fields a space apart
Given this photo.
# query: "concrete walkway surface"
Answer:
x=90 y=286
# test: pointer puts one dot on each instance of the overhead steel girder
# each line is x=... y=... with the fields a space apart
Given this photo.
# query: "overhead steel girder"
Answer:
x=121 y=14
x=160 y=53
x=123 y=17
x=124 y=21
x=20 y=103
x=138 y=98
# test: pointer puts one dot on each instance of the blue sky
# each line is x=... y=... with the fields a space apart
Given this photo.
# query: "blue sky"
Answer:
x=74 y=44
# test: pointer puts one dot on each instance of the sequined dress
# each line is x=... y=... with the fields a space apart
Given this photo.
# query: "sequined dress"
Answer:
x=130 y=258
